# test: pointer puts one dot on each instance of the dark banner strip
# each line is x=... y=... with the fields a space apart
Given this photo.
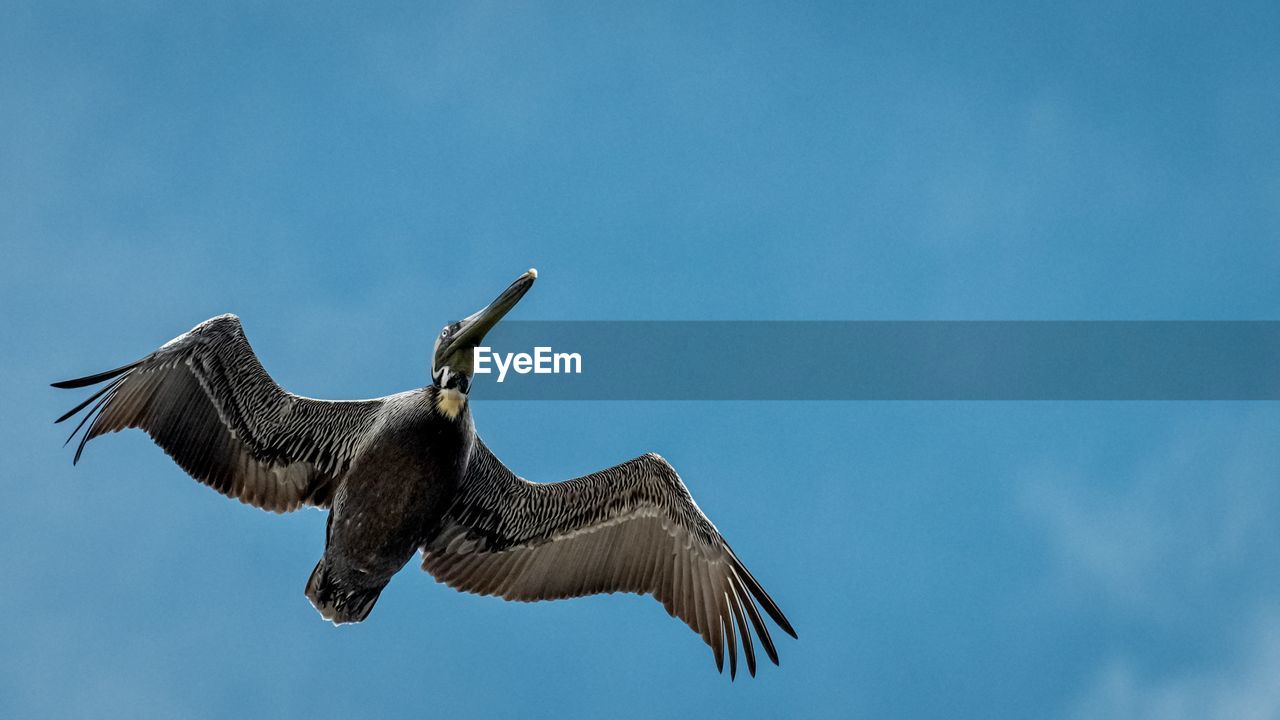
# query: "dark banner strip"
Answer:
x=1006 y=360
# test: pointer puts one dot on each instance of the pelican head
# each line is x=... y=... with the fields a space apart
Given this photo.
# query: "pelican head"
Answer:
x=451 y=364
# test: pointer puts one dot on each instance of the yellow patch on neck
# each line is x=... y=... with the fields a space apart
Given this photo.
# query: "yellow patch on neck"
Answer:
x=450 y=403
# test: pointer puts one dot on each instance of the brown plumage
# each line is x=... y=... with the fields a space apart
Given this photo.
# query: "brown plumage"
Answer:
x=407 y=472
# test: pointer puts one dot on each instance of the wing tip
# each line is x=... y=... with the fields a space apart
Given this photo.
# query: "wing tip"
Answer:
x=757 y=590
x=94 y=379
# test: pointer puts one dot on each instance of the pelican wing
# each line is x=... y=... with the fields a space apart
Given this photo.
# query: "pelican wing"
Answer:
x=630 y=528
x=207 y=401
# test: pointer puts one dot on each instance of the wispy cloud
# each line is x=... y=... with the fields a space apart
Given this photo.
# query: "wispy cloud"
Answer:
x=1246 y=687
x=1170 y=547
x=1192 y=514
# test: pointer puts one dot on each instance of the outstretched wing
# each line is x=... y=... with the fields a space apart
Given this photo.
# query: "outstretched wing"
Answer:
x=631 y=528
x=205 y=398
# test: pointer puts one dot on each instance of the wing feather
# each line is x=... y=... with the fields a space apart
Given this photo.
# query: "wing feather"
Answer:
x=631 y=528
x=205 y=398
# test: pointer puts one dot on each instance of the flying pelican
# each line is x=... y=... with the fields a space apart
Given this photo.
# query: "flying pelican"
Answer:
x=407 y=472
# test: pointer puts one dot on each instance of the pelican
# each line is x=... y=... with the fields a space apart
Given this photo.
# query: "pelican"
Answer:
x=407 y=473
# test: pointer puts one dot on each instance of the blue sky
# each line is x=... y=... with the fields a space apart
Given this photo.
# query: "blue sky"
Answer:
x=348 y=180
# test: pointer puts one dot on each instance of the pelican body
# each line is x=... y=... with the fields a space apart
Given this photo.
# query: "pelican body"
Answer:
x=378 y=521
x=407 y=473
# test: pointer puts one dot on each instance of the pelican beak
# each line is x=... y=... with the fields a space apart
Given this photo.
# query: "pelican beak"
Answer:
x=458 y=352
